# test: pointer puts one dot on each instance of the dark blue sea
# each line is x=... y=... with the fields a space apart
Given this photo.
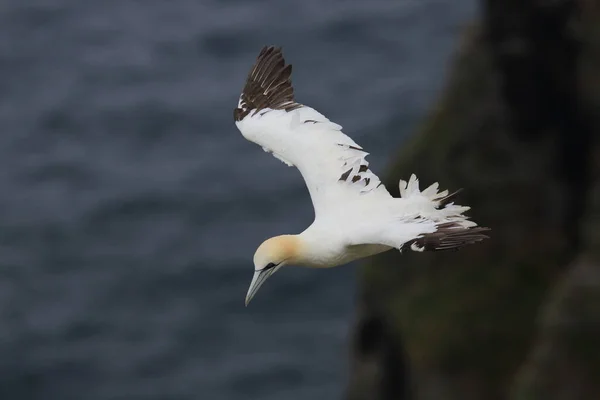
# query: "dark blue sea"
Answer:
x=131 y=206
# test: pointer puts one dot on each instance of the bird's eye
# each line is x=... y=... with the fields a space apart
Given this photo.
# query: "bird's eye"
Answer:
x=269 y=266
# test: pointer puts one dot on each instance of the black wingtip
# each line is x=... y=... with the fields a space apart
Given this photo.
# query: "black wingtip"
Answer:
x=268 y=84
x=450 y=236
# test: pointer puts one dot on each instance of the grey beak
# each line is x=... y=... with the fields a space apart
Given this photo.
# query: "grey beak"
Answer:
x=257 y=280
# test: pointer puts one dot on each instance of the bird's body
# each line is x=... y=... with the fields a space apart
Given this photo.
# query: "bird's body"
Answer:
x=329 y=247
x=355 y=216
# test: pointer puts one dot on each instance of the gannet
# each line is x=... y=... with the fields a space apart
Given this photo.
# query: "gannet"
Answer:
x=355 y=216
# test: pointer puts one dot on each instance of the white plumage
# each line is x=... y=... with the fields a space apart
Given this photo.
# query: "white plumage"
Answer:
x=355 y=216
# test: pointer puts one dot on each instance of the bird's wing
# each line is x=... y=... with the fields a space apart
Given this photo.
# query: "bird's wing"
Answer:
x=419 y=220
x=331 y=163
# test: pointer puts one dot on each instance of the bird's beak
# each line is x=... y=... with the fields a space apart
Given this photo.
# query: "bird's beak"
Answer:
x=257 y=280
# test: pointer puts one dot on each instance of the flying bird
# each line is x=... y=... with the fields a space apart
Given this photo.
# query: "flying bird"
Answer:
x=355 y=216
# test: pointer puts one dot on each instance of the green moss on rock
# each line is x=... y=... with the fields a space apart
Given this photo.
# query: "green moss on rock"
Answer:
x=512 y=317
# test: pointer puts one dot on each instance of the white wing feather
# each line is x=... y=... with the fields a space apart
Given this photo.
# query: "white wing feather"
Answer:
x=332 y=164
x=417 y=215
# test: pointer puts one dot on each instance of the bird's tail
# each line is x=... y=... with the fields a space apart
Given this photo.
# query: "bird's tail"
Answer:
x=453 y=229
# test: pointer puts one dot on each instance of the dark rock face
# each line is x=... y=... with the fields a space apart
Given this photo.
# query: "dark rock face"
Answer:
x=380 y=366
x=564 y=360
x=518 y=316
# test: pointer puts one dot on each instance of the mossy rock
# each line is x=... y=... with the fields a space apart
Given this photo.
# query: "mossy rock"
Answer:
x=470 y=320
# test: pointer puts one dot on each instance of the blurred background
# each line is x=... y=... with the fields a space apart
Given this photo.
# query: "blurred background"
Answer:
x=131 y=206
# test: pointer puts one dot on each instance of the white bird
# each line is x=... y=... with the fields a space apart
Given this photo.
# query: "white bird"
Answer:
x=355 y=216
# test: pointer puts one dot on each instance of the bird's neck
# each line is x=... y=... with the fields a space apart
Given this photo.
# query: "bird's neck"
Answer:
x=315 y=251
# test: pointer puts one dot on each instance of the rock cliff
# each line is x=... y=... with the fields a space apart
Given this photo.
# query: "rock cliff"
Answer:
x=517 y=317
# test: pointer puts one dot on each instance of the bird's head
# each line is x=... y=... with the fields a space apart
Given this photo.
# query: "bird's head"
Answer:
x=271 y=255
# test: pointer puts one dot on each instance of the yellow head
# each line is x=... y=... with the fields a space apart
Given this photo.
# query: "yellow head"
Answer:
x=271 y=255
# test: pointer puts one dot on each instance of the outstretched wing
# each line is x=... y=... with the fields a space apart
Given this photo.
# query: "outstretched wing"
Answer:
x=420 y=220
x=332 y=164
